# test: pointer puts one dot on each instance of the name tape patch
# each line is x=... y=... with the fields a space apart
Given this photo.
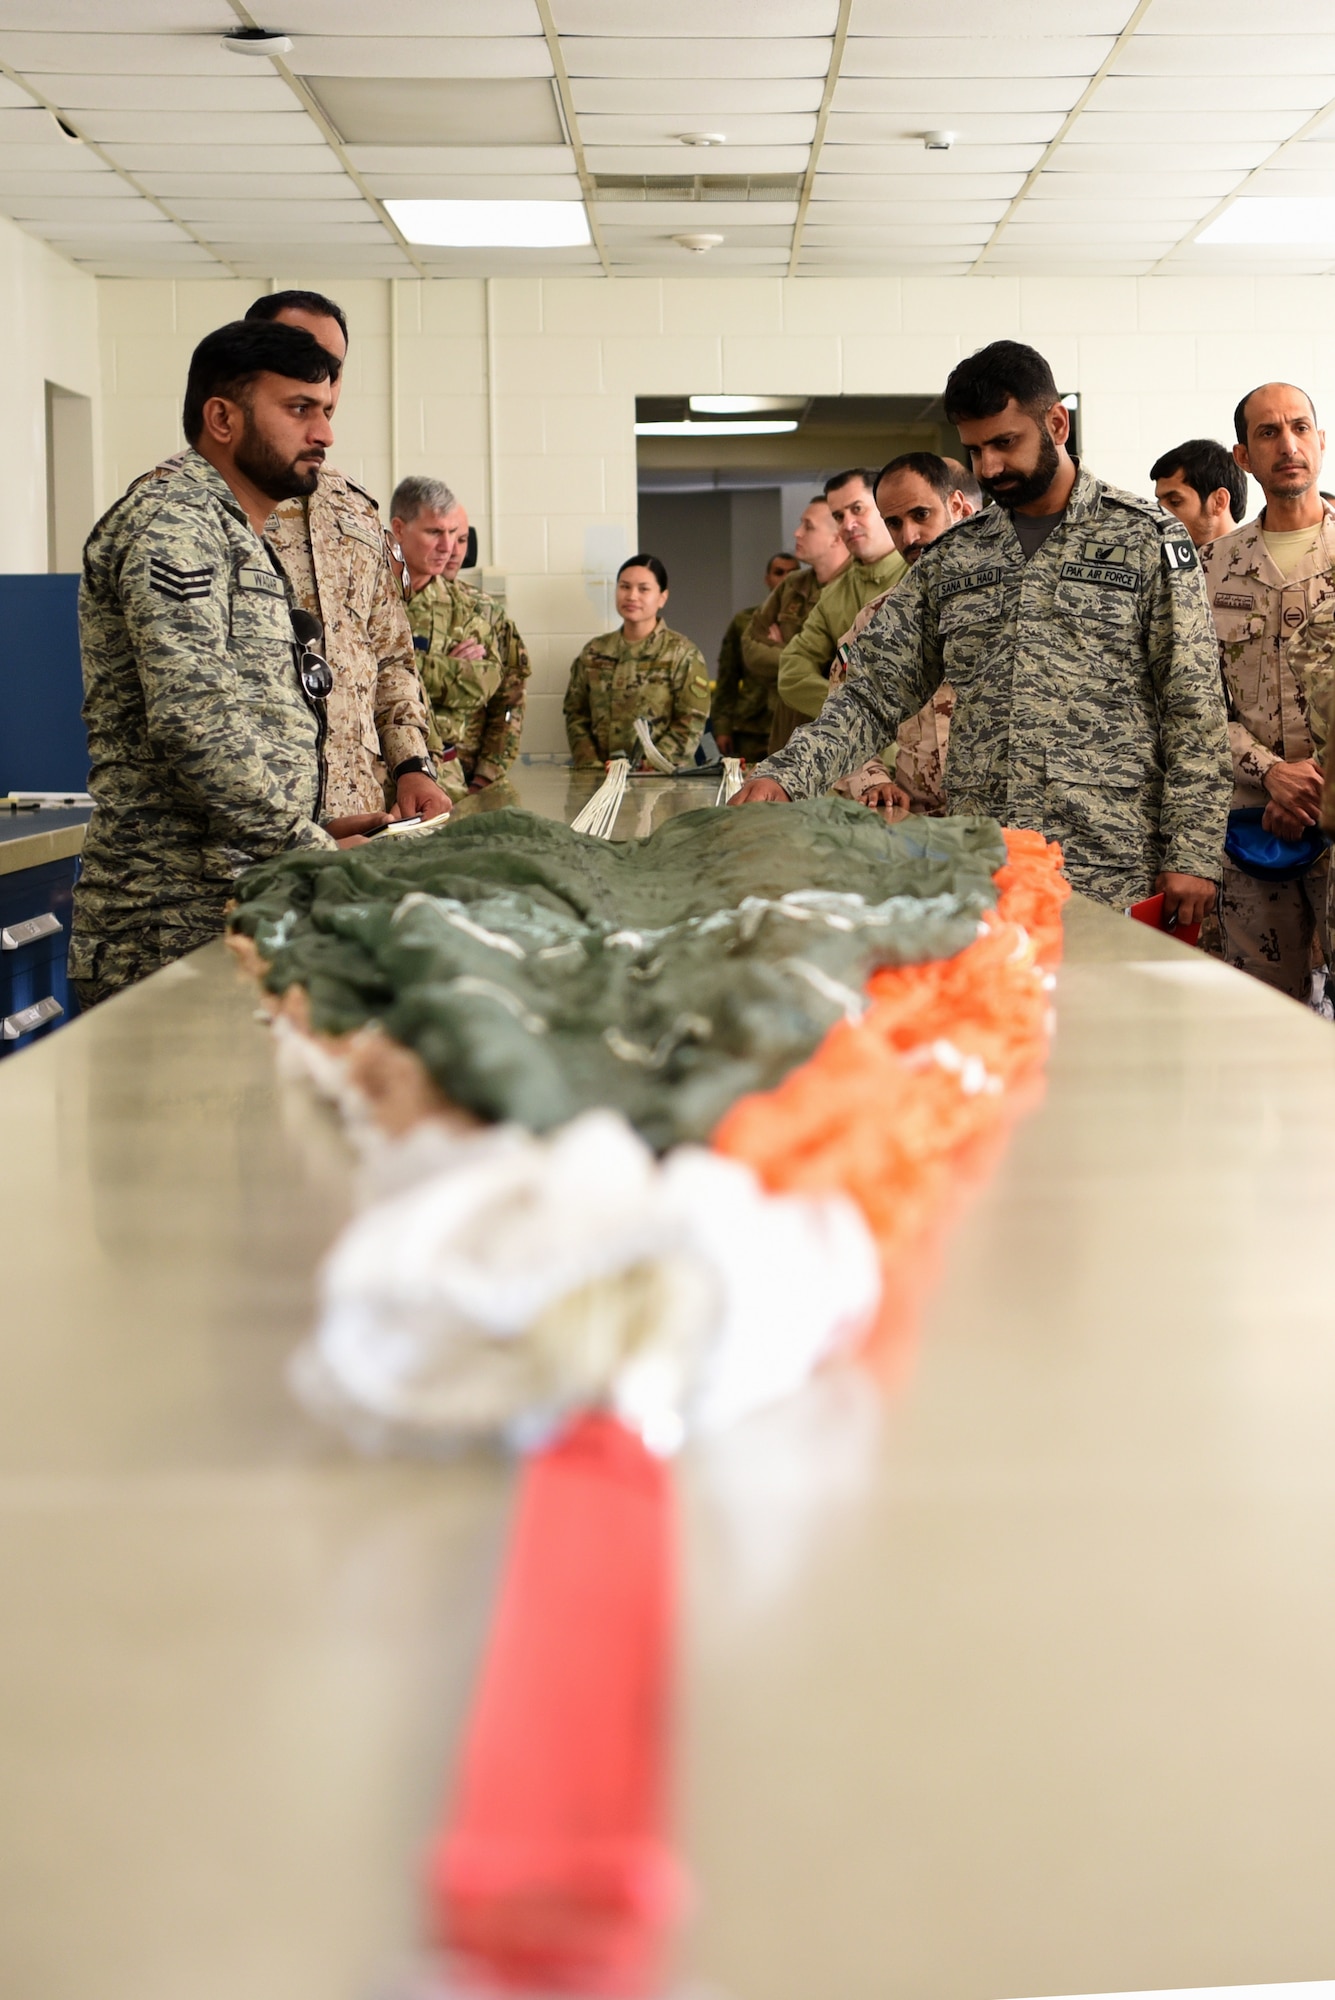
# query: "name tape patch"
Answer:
x=974 y=579
x=262 y=580
x=1234 y=600
x=1109 y=575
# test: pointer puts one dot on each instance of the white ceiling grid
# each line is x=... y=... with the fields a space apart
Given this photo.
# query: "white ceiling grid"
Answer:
x=1091 y=135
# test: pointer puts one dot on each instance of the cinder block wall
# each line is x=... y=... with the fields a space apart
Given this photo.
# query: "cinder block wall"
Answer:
x=521 y=392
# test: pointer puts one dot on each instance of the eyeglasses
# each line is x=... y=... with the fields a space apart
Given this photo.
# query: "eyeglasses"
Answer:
x=317 y=676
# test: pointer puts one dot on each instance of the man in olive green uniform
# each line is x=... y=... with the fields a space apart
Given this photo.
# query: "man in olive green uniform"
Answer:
x=1272 y=590
x=203 y=737
x=614 y=680
x=473 y=663
x=804 y=670
x=1071 y=621
x=781 y=617
x=743 y=706
x=332 y=545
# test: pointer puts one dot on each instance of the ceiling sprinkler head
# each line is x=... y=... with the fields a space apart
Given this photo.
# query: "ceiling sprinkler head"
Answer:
x=938 y=142
x=698 y=243
x=256 y=42
x=703 y=138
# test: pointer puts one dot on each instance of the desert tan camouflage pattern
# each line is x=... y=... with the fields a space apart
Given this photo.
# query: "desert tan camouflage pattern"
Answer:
x=917 y=758
x=1279 y=932
x=804 y=670
x=476 y=706
x=788 y=606
x=204 y=749
x=661 y=678
x=333 y=548
x=1088 y=702
x=743 y=705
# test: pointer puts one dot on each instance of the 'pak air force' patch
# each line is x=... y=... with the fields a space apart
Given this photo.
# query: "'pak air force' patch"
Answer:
x=1106 y=563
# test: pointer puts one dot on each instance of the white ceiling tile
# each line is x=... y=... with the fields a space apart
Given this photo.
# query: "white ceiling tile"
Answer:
x=257 y=187
x=181 y=158
x=660 y=129
x=52 y=157
x=410 y=18
x=695 y=98
x=962 y=234
x=13 y=97
x=201 y=128
x=125 y=55
x=1298 y=91
x=1169 y=211
x=29 y=125
x=1314 y=156
x=773 y=238
x=947 y=101
x=708 y=18
x=794 y=56
x=475 y=187
x=264 y=92
x=864 y=189
x=144 y=17
x=827 y=262
x=462 y=159
x=436 y=110
x=1238 y=156
x=283 y=228
x=90 y=212
x=1147 y=128
x=681 y=160
x=90 y=187
x=982 y=17
x=1234 y=17
x=696 y=215
x=1144 y=235
x=683 y=264
x=915 y=188
x=201 y=209
x=1001 y=56
x=1257 y=54
x=433 y=55
x=77 y=229
x=911 y=156
x=1000 y=128
x=1054 y=185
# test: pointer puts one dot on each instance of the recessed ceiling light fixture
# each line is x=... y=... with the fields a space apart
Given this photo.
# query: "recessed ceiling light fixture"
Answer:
x=1289 y=218
x=493 y=225
x=699 y=244
x=703 y=138
x=257 y=42
x=742 y=406
x=749 y=427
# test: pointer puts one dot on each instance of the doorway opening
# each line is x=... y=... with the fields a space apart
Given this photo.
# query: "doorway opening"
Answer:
x=70 y=505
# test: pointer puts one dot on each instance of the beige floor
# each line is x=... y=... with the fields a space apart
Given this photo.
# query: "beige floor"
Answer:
x=1013 y=1679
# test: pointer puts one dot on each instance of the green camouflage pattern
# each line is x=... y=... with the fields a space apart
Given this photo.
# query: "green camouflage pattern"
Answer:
x=661 y=678
x=204 y=750
x=1088 y=700
x=332 y=546
x=476 y=706
x=789 y=606
x=743 y=706
x=804 y=670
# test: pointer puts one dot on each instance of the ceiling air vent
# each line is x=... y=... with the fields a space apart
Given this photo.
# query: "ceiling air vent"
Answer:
x=697 y=187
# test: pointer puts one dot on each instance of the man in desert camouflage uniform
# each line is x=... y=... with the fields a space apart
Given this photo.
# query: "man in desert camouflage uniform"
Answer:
x=332 y=546
x=203 y=735
x=473 y=663
x=1272 y=590
x=1071 y=621
x=781 y=617
x=743 y=706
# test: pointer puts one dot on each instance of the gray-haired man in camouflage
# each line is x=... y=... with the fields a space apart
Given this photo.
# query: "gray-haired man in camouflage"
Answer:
x=204 y=719
x=1071 y=622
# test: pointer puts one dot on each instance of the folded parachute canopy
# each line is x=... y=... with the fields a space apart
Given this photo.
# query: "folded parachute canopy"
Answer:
x=538 y=973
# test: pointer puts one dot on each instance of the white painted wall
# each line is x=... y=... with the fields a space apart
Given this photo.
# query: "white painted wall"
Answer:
x=48 y=311
x=521 y=392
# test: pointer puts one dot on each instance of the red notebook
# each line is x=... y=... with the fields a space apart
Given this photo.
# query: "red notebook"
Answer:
x=1151 y=912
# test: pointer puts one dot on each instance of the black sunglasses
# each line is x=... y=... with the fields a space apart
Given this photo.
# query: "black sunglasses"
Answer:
x=317 y=676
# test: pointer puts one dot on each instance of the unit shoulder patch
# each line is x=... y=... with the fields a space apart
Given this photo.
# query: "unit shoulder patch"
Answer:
x=1179 y=554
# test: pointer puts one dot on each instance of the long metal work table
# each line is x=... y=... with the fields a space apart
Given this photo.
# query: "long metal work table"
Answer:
x=1008 y=1675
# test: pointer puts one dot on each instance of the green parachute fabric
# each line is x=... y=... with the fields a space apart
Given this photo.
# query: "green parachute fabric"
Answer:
x=538 y=972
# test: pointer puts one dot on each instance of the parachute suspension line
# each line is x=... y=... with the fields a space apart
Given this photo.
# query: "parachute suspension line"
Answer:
x=599 y=815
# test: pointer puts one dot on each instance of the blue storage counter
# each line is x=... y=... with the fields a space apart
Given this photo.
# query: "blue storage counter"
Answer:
x=39 y=864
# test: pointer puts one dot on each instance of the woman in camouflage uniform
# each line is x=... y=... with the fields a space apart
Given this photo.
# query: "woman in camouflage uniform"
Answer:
x=644 y=669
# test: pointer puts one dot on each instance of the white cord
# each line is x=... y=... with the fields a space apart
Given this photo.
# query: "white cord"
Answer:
x=731 y=781
x=653 y=754
x=599 y=815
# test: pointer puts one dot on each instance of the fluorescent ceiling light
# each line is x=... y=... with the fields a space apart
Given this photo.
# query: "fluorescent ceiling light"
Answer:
x=493 y=225
x=756 y=427
x=1289 y=218
x=743 y=406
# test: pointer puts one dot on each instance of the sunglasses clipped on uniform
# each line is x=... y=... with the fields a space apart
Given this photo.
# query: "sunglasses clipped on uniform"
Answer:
x=317 y=676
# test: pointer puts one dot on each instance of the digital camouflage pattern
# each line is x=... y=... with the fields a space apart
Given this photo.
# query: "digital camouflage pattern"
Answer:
x=917 y=758
x=476 y=706
x=332 y=546
x=804 y=670
x=743 y=706
x=789 y=606
x=1277 y=651
x=1088 y=702
x=661 y=678
x=204 y=749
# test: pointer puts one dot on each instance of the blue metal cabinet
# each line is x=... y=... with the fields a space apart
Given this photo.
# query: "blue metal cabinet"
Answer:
x=35 y=909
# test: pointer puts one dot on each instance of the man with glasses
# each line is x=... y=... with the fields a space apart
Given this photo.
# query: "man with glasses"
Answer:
x=204 y=704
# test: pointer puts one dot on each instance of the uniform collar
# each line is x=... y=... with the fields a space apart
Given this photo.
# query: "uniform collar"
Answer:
x=193 y=466
x=1247 y=554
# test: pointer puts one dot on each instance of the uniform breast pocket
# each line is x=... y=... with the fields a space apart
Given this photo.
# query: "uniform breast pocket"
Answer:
x=970 y=625
x=361 y=555
x=1099 y=623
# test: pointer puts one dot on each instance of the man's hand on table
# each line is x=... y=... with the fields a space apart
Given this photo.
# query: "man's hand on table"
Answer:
x=760 y=791
x=1188 y=898
x=888 y=797
x=417 y=796
x=1296 y=790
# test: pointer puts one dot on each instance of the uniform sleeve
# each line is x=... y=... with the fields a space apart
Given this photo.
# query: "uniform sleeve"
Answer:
x=805 y=661
x=895 y=667
x=760 y=659
x=1184 y=665
x=401 y=719
x=175 y=598
x=1251 y=759
x=504 y=724
x=728 y=685
x=579 y=716
x=690 y=707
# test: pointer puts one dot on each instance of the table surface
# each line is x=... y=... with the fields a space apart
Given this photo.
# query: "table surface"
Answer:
x=1007 y=1675
x=27 y=839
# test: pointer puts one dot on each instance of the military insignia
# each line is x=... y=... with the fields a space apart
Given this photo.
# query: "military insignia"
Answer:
x=1234 y=600
x=1104 y=573
x=262 y=580
x=974 y=579
x=1115 y=553
x=1293 y=616
x=421 y=643
x=1178 y=554
x=183 y=586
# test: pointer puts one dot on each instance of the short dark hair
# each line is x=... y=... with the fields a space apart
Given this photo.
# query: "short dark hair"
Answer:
x=643 y=561
x=963 y=481
x=1206 y=465
x=862 y=472
x=926 y=465
x=983 y=384
x=1240 y=414
x=781 y=555
x=227 y=361
x=270 y=304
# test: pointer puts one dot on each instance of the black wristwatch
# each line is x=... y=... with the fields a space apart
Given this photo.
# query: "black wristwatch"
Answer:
x=423 y=764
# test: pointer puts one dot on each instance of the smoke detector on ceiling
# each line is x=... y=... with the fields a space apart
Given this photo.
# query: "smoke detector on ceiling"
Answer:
x=703 y=138
x=257 y=42
x=698 y=243
x=938 y=142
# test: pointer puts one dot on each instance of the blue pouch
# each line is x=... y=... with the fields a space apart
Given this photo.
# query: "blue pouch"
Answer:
x=1266 y=855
